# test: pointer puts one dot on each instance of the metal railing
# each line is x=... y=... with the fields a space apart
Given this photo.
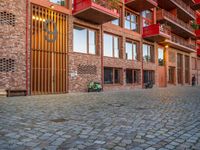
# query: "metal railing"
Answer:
x=163 y=13
x=185 y=7
x=181 y=41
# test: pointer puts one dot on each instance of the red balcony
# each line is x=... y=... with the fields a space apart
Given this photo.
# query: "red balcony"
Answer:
x=156 y=33
x=97 y=12
x=198 y=19
x=197 y=33
x=140 y=5
x=196 y=5
x=198 y=52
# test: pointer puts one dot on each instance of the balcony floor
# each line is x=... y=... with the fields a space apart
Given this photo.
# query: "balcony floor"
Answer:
x=95 y=15
x=140 y=5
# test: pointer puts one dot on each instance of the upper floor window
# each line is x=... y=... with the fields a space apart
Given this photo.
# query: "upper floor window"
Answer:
x=147 y=18
x=111 y=46
x=60 y=2
x=131 y=21
x=148 y=53
x=84 y=40
x=132 y=51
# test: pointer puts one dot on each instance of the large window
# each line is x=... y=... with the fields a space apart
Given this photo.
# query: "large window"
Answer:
x=161 y=57
x=84 y=40
x=60 y=2
x=148 y=53
x=111 y=46
x=131 y=21
x=112 y=75
x=147 y=17
x=149 y=76
x=132 y=51
x=132 y=76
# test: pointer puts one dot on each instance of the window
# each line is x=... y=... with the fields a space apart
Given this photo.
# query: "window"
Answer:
x=132 y=51
x=147 y=17
x=84 y=40
x=129 y=76
x=60 y=2
x=131 y=21
x=149 y=76
x=137 y=76
x=161 y=57
x=111 y=46
x=132 y=76
x=148 y=53
x=116 y=22
x=112 y=75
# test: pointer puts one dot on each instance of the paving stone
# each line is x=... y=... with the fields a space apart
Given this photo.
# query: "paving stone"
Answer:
x=124 y=120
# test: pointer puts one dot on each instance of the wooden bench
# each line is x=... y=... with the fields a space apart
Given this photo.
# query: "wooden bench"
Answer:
x=11 y=92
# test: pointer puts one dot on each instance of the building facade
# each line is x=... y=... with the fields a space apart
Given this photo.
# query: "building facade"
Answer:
x=57 y=46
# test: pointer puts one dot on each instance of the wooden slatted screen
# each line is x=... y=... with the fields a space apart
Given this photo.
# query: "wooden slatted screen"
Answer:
x=49 y=51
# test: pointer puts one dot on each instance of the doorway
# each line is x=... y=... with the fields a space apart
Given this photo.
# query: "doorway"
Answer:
x=48 y=51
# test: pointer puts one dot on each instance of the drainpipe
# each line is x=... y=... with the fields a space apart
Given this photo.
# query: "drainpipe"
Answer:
x=101 y=53
x=27 y=5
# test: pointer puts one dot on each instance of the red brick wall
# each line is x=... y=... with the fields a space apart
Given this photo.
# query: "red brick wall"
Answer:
x=12 y=44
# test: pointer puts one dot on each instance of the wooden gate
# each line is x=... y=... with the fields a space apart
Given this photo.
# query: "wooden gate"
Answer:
x=48 y=51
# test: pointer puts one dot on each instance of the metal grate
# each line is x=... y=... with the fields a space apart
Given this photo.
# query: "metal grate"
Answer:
x=7 y=18
x=7 y=65
x=87 y=69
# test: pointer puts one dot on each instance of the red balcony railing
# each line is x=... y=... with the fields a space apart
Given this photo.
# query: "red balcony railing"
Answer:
x=140 y=5
x=198 y=51
x=96 y=11
x=185 y=7
x=197 y=33
x=156 y=33
x=183 y=42
x=196 y=4
x=198 y=19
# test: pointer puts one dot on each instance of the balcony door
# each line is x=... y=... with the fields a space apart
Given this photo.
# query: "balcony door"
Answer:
x=48 y=52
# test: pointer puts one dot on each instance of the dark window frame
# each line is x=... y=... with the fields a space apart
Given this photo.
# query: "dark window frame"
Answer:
x=135 y=78
x=113 y=82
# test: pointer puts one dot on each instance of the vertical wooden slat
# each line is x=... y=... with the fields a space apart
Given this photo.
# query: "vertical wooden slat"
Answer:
x=48 y=73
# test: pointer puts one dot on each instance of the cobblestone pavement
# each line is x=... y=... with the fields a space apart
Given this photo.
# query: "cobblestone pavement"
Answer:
x=127 y=120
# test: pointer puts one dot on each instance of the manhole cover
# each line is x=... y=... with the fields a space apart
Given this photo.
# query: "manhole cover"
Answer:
x=58 y=120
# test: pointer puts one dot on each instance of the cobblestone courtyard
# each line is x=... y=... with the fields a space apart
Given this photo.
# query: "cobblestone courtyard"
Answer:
x=127 y=120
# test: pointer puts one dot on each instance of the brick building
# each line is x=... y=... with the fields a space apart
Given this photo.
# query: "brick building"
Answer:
x=57 y=46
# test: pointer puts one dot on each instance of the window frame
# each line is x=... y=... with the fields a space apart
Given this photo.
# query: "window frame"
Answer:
x=137 y=50
x=87 y=40
x=137 y=23
x=113 y=45
x=150 y=21
x=151 y=52
x=113 y=76
x=133 y=76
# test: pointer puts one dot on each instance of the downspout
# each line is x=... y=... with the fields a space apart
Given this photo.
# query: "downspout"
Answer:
x=27 y=47
x=102 y=64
